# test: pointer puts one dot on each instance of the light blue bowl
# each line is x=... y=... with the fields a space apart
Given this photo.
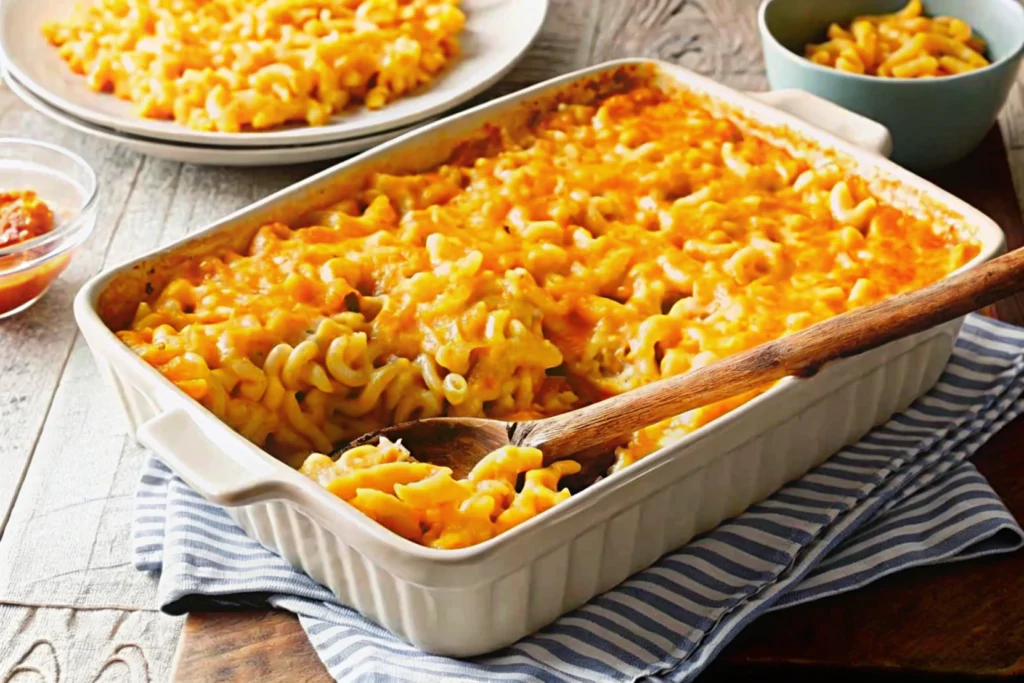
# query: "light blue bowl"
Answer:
x=933 y=121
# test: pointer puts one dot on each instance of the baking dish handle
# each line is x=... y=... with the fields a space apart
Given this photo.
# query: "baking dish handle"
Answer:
x=184 y=447
x=843 y=123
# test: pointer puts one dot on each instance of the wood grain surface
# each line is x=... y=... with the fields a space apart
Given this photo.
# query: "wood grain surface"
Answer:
x=72 y=608
x=269 y=647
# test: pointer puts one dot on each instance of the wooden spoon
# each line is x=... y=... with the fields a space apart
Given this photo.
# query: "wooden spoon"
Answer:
x=459 y=443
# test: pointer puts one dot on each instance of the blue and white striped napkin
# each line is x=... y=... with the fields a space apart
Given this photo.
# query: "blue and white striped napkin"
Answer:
x=904 y=496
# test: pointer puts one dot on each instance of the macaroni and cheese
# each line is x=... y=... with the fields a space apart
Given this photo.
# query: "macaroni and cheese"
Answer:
x=904 y=44
x=225 y=65
x=423 y=503
x=602 y=247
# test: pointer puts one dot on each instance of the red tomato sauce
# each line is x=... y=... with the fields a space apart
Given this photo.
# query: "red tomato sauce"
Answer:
x=23 y=216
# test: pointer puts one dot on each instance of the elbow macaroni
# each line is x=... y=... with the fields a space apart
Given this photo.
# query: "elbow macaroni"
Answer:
x=229 y=65
x=904 y=44
x=423 y=503
x=617 y=243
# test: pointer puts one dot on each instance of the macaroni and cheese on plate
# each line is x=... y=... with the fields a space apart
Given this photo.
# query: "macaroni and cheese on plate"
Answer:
x=233 y=65
x=904 y=44
x=595 y=249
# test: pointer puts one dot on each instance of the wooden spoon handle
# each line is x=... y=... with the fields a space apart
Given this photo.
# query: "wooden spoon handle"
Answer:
x=802 y=353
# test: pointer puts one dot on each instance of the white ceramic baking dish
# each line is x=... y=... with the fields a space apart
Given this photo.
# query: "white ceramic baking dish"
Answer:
x=469 y=601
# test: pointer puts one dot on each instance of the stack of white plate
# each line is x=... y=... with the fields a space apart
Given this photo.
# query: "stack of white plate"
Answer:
x=497 y=34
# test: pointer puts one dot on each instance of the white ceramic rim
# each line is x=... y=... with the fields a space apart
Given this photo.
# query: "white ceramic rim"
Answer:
x=200 y=154
x=470 y=75
x=361 y=532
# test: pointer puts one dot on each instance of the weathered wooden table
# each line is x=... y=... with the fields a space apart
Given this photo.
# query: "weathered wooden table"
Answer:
x=72 y=608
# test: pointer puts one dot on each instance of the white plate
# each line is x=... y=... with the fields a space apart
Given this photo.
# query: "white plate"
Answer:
x=207 y=155
x=497 y=34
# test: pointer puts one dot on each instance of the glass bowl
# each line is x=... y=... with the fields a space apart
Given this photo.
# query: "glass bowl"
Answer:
x=67 y=184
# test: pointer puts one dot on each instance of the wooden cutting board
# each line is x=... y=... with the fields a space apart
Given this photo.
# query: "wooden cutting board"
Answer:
x=964 y=619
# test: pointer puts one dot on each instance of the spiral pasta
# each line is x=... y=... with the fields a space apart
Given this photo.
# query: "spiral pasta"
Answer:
x=606 y=246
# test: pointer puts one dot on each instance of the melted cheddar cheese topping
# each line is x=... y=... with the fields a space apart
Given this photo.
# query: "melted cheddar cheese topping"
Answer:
x=601 y=248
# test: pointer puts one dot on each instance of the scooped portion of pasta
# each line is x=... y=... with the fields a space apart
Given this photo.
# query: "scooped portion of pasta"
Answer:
x=423 y=503
x=620 y=241
x=233 y=65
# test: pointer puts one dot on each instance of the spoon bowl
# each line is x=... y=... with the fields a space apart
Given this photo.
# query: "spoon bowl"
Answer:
x=458 y=443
